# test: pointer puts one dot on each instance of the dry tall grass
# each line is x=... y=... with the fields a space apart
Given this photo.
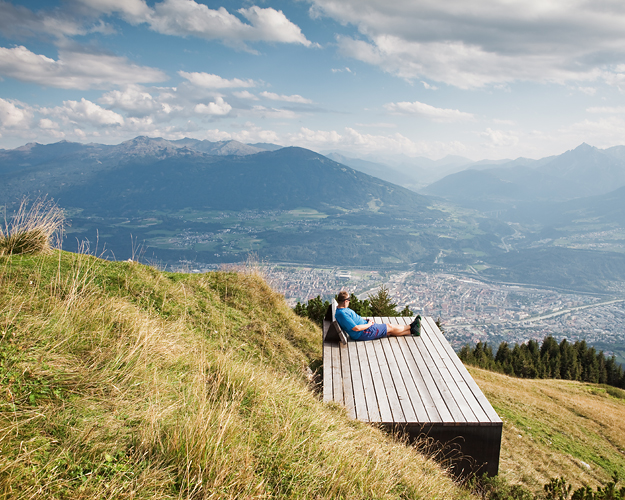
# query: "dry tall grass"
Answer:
x=35 y=228
x=557 y=428
x=123 y=382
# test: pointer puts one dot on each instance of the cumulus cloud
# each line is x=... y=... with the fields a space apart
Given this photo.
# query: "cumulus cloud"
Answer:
x=73 y=70
x=210 y=81
x=287 y=98
x=85 y=112
x=421 y=109
x=12 y=115
x=189 y=18
x=136 y=101
x=219 y=108
x=474 y=44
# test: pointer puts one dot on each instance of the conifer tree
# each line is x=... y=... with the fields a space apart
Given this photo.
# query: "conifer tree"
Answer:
x=381 y=304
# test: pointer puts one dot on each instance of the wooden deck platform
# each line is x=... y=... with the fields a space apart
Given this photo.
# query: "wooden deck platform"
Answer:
x=417 y=384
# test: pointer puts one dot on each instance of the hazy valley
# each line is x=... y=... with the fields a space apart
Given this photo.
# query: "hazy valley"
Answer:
x=556 y=223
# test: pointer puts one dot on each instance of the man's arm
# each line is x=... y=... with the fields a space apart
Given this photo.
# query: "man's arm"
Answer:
x=360 y=328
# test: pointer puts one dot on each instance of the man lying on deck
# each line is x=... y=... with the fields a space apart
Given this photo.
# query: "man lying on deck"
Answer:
x=360 y=329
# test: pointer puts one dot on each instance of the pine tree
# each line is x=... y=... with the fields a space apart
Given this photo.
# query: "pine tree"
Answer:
x=381 y=305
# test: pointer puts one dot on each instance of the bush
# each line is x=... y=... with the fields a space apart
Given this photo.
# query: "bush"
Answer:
x=32 y=230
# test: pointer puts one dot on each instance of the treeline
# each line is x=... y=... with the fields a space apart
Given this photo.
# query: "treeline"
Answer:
x=376 y=305
x=547 y=360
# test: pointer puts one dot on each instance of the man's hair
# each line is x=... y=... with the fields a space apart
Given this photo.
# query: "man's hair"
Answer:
x=342 y=296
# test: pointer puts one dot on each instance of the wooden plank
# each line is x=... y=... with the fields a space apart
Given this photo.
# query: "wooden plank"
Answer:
x=419 y=353
x=440 y=379
x=388 y=379
x=328 y=394
x=373 y=409
x=337 y=382
x=419 y=374
x=457 y=398
x=360 y=403
x=380 y=391
x=419 y=398
x=400 y=374
x=402 y=378
x=473 y=387
x=348 y=391
x=448 y=359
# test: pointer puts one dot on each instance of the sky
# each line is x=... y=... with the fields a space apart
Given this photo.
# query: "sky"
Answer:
x=483 y=79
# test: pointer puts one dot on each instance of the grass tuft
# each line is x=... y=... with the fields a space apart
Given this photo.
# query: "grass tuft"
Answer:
x=33 y=229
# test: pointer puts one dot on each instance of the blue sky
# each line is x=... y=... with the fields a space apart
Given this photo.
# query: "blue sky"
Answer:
x=481 y=78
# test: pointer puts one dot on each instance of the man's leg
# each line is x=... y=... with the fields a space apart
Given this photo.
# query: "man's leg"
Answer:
x=397 y=330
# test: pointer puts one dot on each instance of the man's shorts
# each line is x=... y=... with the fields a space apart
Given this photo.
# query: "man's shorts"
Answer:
x=375 y=331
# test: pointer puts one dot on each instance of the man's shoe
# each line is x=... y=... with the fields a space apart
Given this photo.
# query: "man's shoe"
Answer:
x=415 y=326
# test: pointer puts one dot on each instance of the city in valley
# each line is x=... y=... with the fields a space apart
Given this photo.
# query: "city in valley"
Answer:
x=471 y=310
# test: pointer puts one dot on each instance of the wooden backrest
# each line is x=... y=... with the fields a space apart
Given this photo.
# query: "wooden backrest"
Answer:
x=332 y=331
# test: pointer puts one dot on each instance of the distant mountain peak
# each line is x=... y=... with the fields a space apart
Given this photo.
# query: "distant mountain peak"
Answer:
x=583 y=147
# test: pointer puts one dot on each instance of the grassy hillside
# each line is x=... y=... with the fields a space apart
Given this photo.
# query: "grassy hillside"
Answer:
x=557 y=428
x=119 y=381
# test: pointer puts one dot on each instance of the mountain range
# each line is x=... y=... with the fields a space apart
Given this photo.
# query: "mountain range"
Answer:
x=520 y=220
x=585 y=171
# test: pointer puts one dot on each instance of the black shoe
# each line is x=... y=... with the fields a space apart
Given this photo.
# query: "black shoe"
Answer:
x=415 y=326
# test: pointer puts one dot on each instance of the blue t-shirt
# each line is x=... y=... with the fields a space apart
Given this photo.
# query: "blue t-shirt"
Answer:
x=348 y=319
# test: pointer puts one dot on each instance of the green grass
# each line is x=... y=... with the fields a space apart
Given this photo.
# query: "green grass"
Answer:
x=557 y=428
x=120 y=381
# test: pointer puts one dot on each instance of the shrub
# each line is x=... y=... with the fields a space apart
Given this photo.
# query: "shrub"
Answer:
x=32 y=230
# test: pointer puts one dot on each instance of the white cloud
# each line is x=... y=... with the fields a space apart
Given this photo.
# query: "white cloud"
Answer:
x=287 y=98
x=189 y=18
x=474 y=44
x=170 y=17
x=134 y=11
x=607 y=110
x=250 y=134
x=210 y=81
x=458 y=64
x=499 y=138
x=427 y=111
x=16 y=20
x=272 y=25
x=427 y=86
x=353 y=140
x=12 y=116
x=244 y=94
x=133 y=100
x=73 y=70
x=85 y=112
x=601 y=133
x=219 y=107
x=281 y=114
x=46 y=123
